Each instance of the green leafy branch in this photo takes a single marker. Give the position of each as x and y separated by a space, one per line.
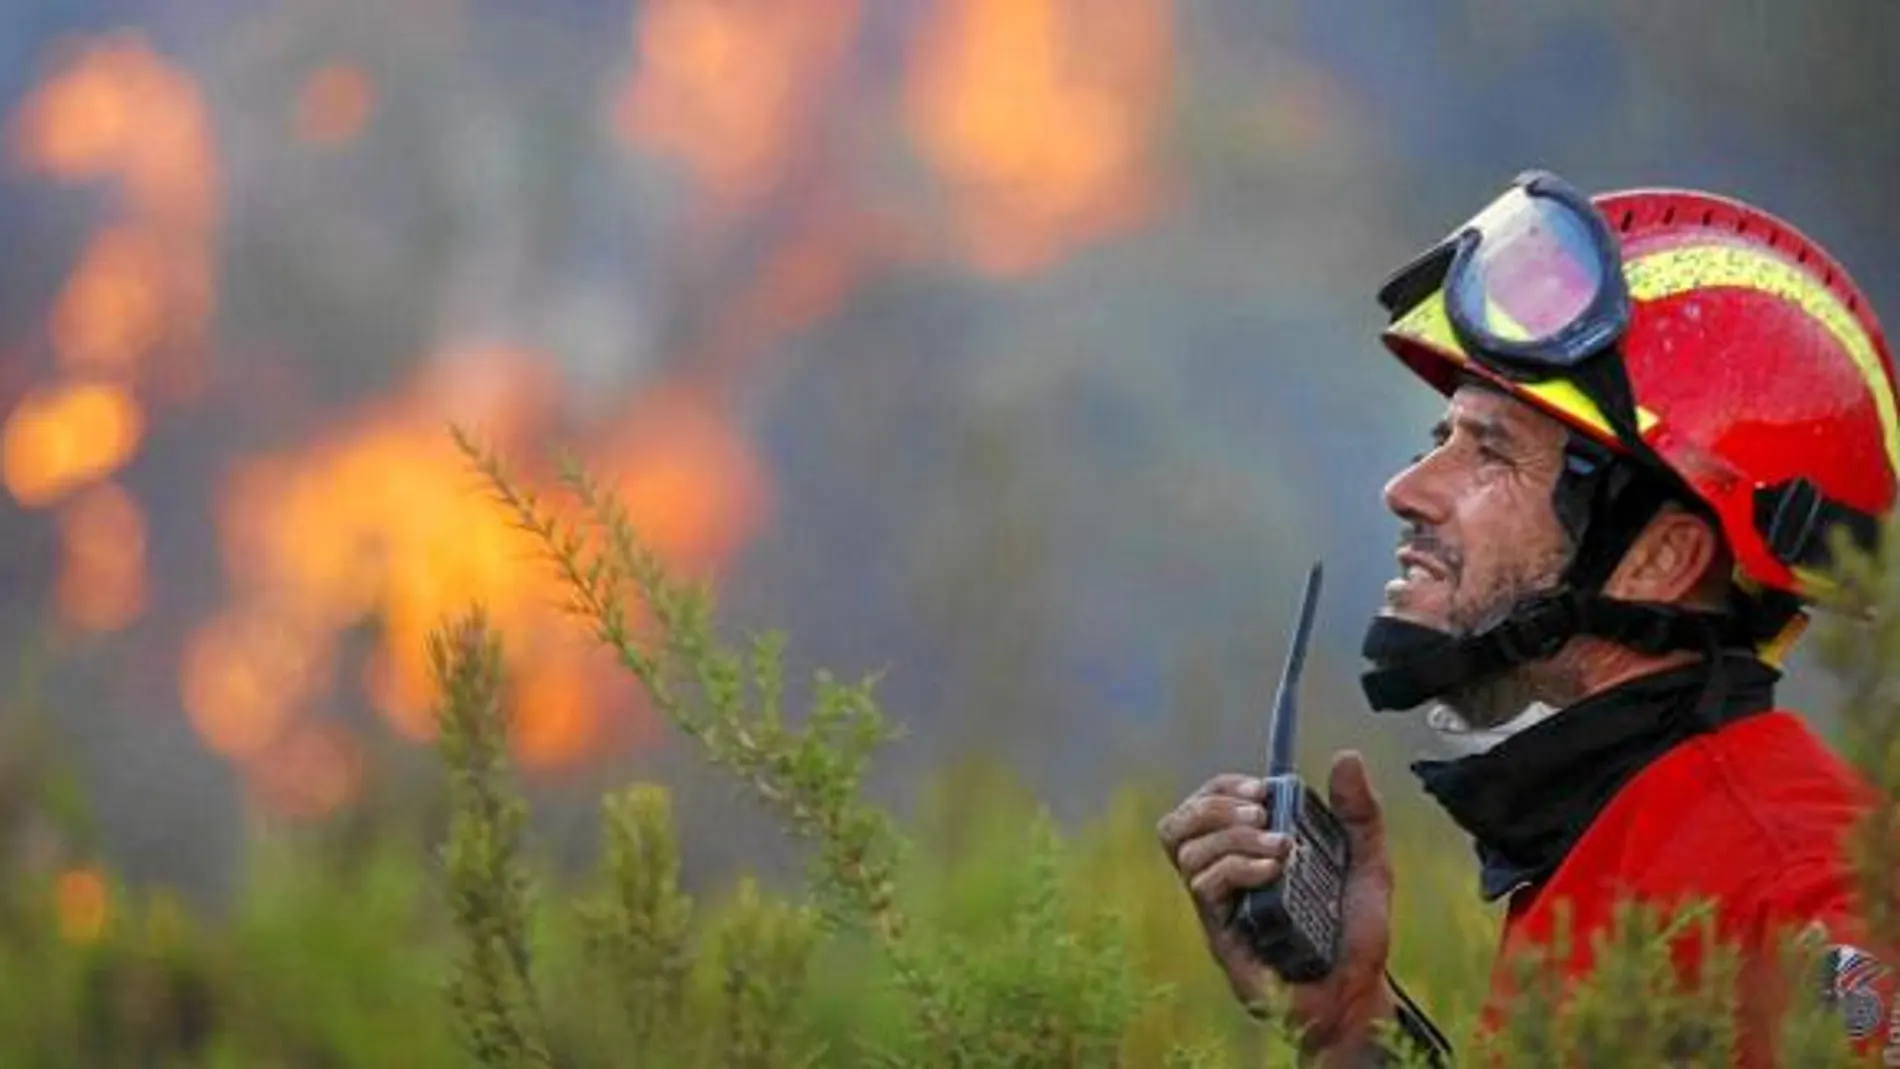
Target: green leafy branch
812 774
491 893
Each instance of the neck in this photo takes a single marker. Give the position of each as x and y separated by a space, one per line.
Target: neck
1598 665
1527 798
1586 667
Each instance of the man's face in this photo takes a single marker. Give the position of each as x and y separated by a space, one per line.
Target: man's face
1480 529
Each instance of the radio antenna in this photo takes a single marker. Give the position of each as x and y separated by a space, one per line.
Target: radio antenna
1280 728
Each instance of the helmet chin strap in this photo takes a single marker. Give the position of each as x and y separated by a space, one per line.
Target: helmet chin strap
1603 502
1416 663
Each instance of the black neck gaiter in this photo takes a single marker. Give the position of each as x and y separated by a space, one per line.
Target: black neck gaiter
1528 799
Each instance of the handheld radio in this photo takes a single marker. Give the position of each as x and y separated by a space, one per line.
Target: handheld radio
1294 922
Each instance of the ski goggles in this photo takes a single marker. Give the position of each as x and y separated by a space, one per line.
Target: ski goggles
1533 284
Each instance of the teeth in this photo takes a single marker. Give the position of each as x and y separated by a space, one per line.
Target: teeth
1415 572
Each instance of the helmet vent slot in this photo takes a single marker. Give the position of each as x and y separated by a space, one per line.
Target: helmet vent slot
1669 215
1624 224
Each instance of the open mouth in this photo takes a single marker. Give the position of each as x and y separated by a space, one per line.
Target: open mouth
1415 566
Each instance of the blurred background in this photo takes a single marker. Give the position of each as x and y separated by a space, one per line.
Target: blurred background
1020 350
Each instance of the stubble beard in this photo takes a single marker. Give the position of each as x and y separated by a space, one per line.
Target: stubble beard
1556 681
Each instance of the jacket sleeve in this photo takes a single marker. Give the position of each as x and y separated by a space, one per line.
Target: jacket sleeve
1814 905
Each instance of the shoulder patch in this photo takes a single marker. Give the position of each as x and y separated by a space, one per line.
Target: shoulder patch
1850 981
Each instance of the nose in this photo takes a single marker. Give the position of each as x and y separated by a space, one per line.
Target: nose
1416 493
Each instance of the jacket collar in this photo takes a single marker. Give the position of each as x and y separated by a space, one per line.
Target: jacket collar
1527 800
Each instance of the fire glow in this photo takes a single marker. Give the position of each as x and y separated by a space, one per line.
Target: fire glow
1037 114
128 326
62 438
728 86
342 549
140 298
382 520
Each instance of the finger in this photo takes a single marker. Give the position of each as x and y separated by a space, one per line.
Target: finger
1233 784
1349 789
1198 853
1354 801
1231 874
1201 814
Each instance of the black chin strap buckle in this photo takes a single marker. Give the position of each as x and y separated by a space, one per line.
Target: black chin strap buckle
1540 627
1649 629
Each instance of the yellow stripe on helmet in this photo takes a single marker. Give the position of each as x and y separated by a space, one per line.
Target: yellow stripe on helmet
1430 324
1774 651
1673 271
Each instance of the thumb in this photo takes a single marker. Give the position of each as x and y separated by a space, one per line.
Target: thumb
1355 802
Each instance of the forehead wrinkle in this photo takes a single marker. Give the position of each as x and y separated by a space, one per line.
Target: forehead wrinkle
1491 415
1487 427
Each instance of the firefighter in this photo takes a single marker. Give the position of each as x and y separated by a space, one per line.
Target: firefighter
1661 406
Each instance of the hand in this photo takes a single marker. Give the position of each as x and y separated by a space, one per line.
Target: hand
1216 842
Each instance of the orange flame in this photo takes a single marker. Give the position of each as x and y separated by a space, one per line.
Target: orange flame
727 85
1037 112
113 308
379 518
83 906
335 105
690 483
114 110
557 716
79 124
311 772
245 672
59 439
382 519
117 110
102 578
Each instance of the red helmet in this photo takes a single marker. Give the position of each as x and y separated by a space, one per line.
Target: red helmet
1758 373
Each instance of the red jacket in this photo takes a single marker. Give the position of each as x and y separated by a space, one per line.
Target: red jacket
1752 815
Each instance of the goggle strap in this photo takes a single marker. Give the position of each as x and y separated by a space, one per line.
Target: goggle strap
1418 280
1604 380
1622 503
1795 518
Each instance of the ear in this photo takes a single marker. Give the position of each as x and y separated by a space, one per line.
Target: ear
1669 561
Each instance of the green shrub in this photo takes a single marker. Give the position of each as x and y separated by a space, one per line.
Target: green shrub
1055 971
977 933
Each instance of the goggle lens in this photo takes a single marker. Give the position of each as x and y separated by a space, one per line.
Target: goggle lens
1534 272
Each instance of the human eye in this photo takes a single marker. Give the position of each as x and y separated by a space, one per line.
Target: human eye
1492 451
